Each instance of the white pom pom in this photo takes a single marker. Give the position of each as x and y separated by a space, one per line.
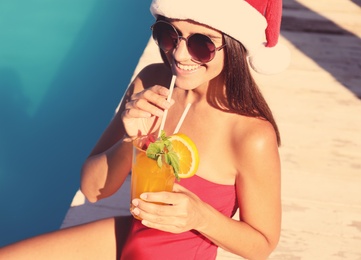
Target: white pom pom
270 60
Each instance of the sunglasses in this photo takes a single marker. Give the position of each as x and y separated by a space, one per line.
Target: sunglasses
199 46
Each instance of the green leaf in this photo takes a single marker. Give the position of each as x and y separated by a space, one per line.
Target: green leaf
174 162
161 150
163 136
152 151
160 161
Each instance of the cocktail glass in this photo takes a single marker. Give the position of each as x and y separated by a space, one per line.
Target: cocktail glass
147 176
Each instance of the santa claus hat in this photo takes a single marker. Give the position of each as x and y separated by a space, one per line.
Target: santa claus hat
254 23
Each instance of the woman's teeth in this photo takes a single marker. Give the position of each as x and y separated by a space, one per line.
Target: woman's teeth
187 67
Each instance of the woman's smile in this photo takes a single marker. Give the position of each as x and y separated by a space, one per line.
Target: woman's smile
187 67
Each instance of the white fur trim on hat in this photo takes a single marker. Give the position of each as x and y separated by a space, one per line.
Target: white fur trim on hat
236 18
270 60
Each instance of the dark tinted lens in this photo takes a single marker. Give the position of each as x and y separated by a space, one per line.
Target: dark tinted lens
201 47
165 36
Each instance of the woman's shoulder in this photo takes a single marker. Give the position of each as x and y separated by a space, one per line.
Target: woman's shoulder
254 146
252 133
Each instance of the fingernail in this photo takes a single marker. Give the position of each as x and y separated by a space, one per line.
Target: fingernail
143 196
136 211
135 202
166 104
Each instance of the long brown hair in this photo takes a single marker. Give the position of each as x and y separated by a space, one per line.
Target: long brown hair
243 95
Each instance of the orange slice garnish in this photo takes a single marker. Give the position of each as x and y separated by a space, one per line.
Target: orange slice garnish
188 155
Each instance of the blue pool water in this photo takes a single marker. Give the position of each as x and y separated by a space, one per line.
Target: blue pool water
64 65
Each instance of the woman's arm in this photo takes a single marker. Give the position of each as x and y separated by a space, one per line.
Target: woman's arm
109 163
258 185
103 174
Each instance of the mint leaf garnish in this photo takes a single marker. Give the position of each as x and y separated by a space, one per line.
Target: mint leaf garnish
173 159
162 148
159 161
154 150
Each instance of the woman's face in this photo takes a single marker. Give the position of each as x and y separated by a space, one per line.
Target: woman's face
191 74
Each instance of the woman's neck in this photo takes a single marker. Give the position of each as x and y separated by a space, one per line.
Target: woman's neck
214 89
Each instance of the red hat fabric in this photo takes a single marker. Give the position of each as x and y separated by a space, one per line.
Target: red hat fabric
254 23
272 11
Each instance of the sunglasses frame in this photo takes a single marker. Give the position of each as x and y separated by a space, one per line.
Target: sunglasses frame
179 38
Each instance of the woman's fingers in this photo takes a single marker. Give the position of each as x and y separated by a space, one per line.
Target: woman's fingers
143 109
147 106
167 217
156 94
152 95
162 203
148 102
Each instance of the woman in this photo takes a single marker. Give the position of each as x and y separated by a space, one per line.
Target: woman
207 49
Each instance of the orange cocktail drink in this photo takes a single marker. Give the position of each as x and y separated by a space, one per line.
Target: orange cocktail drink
147 176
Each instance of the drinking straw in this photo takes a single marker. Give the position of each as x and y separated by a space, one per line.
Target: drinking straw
171 87
182 118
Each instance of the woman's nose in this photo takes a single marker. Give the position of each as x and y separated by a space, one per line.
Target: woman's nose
181 52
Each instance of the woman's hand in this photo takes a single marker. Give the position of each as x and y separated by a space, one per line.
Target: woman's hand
143 110
181 212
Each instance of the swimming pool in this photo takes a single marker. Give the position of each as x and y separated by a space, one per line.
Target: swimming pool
63 68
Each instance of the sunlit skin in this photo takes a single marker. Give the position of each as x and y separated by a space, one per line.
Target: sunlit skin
234 149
